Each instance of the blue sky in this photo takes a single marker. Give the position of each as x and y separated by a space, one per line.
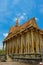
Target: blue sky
21 9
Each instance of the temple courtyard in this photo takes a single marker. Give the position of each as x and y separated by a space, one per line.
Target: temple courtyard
15 63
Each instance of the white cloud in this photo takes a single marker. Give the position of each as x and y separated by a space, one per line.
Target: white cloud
15 19
20 16
24 13
5 34
36 19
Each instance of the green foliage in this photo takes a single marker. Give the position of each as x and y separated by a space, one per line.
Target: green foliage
0 51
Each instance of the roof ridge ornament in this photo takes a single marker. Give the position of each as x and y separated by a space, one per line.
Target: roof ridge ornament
17 23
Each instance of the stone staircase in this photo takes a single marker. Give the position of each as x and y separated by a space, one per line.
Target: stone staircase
9 59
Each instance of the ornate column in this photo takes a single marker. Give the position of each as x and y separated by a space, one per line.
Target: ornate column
3 47
12 45
16 45
21 44
41 43
7 47
32 39
37 41
27 41
25 45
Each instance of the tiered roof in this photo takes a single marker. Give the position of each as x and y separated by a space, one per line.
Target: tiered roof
15 29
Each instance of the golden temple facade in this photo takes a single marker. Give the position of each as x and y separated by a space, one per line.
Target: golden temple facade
24 39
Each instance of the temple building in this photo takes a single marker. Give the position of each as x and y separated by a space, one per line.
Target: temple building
24 39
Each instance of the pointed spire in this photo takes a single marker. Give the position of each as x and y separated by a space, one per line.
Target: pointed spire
17 24
33 22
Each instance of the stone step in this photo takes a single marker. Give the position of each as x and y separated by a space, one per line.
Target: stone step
8 58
